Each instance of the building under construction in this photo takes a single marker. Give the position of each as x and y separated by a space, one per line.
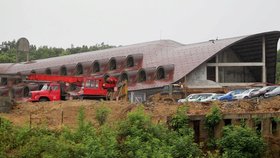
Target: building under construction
237 61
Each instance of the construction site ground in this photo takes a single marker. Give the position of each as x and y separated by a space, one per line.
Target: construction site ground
58 113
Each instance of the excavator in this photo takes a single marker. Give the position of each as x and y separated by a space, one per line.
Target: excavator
169 93
72 87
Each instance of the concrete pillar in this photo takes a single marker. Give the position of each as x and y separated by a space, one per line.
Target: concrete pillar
250 123
217 69
202 130
266 127
277 134
219 129
263 60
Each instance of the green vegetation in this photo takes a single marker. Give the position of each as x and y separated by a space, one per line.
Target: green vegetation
211 121
241 142
8 51
135 136
102 114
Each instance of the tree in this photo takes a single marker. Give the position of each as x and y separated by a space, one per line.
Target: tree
241 142
8 51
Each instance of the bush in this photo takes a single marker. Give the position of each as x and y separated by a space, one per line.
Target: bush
102 114
212 119
180 119
241 142
139 137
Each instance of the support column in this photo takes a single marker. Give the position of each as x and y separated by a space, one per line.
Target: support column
263 60
217 69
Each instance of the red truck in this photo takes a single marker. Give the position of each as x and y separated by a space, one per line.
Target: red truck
58 87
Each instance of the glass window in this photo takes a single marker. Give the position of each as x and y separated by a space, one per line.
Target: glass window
45 87
92 84
96 84
88 82
54 88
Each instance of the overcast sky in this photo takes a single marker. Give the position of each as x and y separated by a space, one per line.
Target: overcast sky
60 23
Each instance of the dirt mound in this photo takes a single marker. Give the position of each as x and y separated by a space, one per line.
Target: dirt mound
56 114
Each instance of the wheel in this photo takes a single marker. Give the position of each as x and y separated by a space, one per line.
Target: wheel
246 97
43 99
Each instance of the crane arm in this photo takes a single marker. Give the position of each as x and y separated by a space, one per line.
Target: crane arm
55 78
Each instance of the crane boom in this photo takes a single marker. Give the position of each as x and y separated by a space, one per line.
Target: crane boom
55 78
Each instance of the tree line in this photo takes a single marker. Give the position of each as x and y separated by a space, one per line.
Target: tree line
8 50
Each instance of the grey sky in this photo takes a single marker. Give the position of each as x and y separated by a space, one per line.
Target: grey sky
61 23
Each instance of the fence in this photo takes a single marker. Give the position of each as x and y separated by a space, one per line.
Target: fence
137 97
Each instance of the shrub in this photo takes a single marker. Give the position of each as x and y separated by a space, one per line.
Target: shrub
212 119
241 142
102 114
180 119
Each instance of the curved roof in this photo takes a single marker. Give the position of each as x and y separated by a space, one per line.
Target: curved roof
185 58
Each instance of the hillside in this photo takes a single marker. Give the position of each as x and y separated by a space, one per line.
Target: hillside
50 113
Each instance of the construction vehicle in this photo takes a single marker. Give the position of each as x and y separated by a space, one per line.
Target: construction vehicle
61 87
169 93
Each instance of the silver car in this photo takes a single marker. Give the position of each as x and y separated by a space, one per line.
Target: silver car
272 93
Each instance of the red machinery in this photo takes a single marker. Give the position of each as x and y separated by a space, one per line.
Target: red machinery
58 87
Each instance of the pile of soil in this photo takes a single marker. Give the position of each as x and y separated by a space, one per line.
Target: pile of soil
56 114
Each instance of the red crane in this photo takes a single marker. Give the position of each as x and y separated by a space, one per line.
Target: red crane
58 87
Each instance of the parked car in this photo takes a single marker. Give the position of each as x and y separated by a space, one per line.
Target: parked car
213 97
194 97
272 93
230 96
262 91
204 97
246 94
189 98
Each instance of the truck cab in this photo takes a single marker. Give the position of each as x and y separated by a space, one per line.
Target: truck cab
49 92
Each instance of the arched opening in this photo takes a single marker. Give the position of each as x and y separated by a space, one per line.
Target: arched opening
129 61
25 92
160 73
79 69
124 76
112 64
142 76
48 71
33 72
95 67
4 81
63 71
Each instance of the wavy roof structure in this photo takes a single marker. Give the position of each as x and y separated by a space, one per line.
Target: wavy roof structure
184 58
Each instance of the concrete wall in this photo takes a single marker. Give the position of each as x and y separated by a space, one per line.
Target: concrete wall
199 73
264 120
228 56
235 75
198 79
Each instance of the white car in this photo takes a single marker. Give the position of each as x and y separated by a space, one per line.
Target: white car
189 98
195 97
213 97
246 94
